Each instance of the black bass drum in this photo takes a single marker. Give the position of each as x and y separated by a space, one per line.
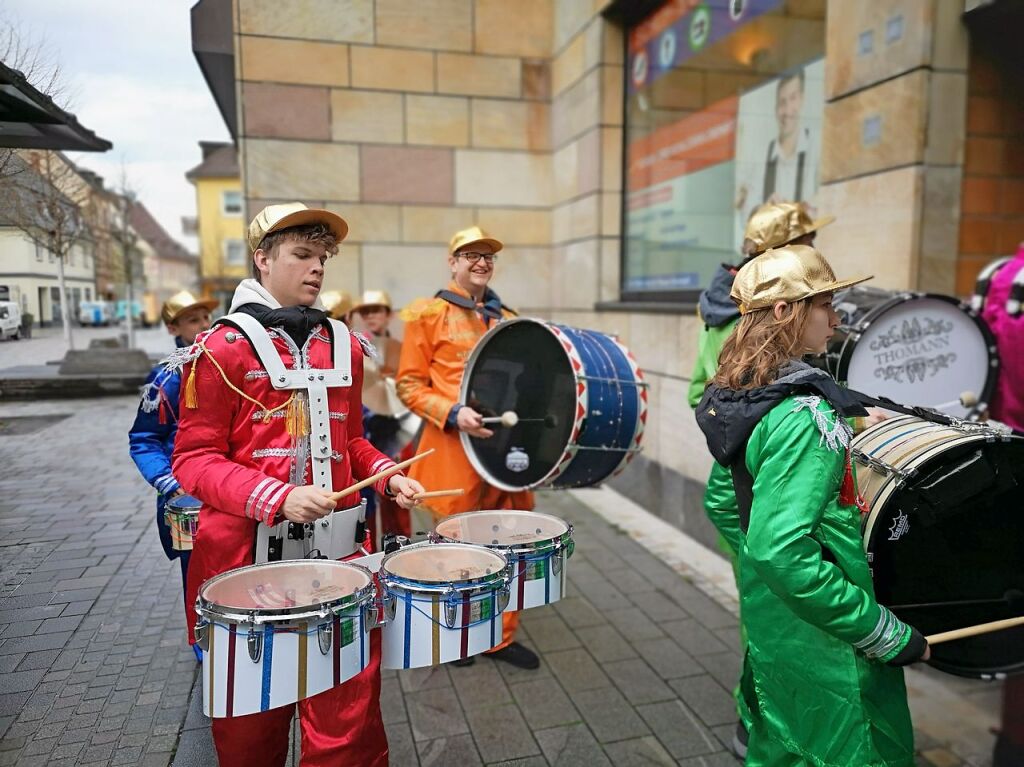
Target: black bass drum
944 535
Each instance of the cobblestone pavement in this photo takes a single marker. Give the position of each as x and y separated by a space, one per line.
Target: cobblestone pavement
47 344
636 662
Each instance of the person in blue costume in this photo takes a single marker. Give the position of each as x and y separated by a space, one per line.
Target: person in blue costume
151 439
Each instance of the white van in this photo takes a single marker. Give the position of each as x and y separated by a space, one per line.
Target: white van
10 320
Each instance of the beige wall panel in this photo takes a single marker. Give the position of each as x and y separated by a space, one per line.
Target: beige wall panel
285 111
950 43
900 105
523 278
569 65
585 218
611 269
434 223
612 43
574 275
468 75
654 340
571 16
537 79
589 175
611 95
877 229
576 110
369 223
682 446
565 169
847 68
301 170
367 116
407 174
294 61
439 24
502 178
611 158
503 124
522 28
406 272
517 226
947 105
940 229
343 270
437 120
611 214
392 69
346 21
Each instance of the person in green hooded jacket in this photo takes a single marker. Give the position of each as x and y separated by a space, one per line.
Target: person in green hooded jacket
822 680
771 225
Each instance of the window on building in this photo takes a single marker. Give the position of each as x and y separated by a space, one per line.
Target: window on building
231 203
88 294
39 252
234 253
724 108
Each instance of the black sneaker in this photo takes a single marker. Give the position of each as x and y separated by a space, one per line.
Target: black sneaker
517 655
739 741
464 661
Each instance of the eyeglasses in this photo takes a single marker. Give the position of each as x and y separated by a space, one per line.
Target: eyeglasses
473 258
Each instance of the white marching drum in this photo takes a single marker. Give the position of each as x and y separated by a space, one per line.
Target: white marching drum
537 545
443 603
278 633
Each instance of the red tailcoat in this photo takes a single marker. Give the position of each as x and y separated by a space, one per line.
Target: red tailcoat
243 467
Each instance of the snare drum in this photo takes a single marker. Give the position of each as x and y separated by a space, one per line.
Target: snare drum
278 633
537 545
917 348
579 395
182 517
944 535
443 601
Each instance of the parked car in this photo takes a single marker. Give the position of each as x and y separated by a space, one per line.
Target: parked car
10 320
95 313
138 315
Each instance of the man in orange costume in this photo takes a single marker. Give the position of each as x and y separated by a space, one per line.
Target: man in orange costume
440 333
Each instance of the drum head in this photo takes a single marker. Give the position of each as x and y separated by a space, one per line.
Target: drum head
502 528
919 350
947 551
184 503
443 563
520 366
298 584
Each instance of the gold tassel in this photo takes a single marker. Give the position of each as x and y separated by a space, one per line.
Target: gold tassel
296 421
191 400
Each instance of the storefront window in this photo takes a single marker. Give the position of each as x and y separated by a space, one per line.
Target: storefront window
724 108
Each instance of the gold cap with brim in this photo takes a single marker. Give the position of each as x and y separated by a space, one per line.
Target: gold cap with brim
790 274
274 218
337 303
373 298
472 236
775 224
181 302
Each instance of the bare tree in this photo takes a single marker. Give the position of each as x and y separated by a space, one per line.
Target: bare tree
45 198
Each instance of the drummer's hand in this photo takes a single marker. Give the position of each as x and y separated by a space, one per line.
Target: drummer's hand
307 504
404 490
927 654
875 415
178 493
472 423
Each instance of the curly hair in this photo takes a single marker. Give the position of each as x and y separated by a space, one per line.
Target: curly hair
319 234
761 345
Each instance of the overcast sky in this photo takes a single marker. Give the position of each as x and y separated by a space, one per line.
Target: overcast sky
132 79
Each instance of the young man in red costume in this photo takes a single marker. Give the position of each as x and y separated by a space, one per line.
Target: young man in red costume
244 447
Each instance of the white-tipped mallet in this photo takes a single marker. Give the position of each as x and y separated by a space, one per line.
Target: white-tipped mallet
509 418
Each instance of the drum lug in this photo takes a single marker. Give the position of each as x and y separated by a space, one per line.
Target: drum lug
556 562
451 609
325 636
504 595
202 634
255 644
377 614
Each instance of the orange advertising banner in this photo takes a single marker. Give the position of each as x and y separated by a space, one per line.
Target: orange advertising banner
658 22
696 141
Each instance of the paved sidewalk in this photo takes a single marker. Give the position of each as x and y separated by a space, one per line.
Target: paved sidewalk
637 660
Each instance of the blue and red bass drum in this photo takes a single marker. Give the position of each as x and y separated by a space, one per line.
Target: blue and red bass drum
579 396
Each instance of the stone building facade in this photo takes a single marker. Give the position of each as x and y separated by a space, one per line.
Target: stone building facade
416 118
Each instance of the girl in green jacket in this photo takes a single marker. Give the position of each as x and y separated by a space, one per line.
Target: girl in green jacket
823 681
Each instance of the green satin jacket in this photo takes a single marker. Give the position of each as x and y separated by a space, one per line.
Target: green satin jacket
818 640
709 346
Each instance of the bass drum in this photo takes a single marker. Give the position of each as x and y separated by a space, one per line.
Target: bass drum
945 535
918 348
579 395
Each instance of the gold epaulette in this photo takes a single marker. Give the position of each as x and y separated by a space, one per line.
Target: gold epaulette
422 307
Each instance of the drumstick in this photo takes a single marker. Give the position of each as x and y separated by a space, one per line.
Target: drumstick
970 631
379 475
509 419
438 493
